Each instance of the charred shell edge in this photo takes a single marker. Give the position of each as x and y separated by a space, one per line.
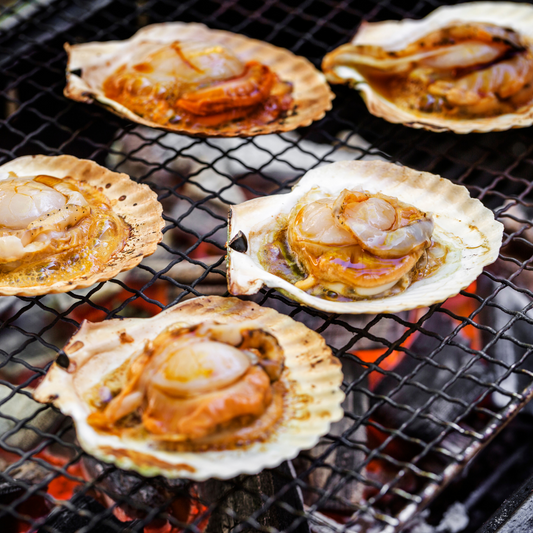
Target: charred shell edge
312 376
394 35
312 95
461 222
137 205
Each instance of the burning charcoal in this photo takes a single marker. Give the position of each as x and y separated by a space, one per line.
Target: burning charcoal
186 163
420 388
337 335
185 272
237 500
79 515
206 171
209 162
517 220
15 332
321 523
14 482
203 220
28 472
346 461
134 494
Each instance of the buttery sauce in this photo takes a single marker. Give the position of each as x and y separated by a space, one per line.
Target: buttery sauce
277 258
77 251
411 93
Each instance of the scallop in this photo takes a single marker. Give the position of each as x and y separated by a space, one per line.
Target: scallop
185 77
362 237
212 387
464 68
68 223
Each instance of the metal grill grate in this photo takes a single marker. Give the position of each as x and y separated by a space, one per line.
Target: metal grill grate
425 389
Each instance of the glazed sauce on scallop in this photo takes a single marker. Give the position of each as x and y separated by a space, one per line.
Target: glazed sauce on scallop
277 258
74 251
204 88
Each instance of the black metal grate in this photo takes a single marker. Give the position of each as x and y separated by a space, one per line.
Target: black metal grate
463 368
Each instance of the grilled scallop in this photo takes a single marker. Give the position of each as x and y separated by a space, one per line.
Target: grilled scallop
191 79
67 223
463 68
362 237
213 387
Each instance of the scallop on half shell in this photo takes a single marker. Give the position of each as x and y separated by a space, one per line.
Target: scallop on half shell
68 223
202 59
362 237
464 68
182 437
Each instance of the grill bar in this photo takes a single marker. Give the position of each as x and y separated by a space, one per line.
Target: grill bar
426 389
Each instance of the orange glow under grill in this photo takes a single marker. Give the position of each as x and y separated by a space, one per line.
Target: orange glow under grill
459 305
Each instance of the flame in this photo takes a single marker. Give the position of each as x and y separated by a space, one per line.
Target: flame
185 510
62 487
391 361
459 305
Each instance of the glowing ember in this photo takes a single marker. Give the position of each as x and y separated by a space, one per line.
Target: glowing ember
63 488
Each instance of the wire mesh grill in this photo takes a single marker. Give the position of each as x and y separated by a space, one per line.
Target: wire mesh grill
425 389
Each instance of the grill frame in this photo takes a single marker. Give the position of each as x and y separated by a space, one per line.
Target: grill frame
33 62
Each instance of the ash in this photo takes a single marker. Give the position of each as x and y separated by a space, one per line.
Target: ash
455 520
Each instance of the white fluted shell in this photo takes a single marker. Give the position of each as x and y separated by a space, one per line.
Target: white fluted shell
312 376
462 223
396 35
135 203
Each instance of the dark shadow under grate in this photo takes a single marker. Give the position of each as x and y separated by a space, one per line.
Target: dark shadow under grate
425 389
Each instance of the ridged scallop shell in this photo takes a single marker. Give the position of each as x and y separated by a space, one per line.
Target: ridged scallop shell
136 204
311 94
462 223
312 376
395 35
